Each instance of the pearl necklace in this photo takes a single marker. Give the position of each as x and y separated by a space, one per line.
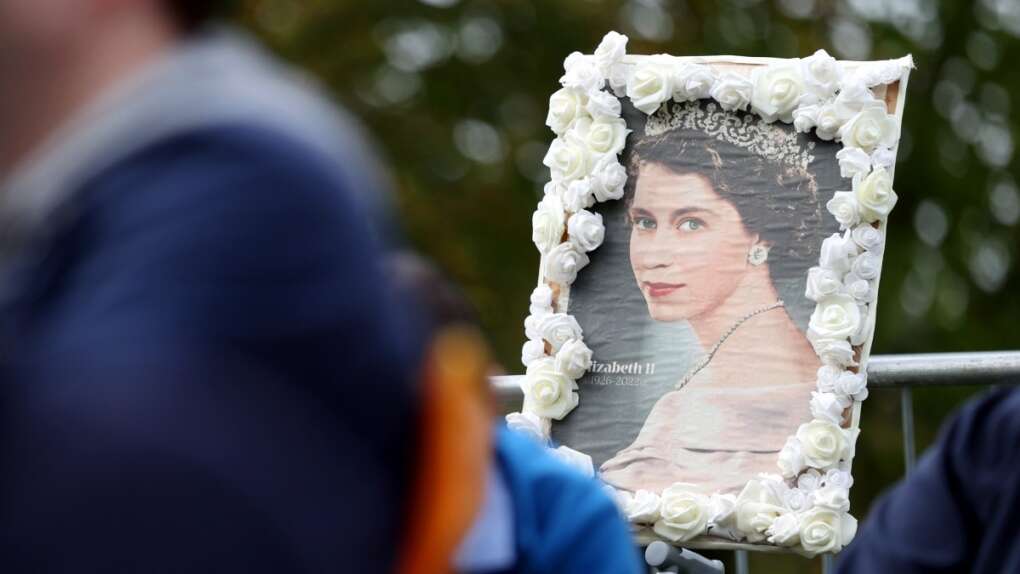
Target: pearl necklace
711 353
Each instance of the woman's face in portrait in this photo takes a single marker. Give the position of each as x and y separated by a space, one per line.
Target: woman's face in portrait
688 245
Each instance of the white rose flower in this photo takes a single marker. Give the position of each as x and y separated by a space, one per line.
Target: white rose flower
831 118
586 230
810 480
821 283
832 497
870 128
875 195
692 82
578 195
530 425
644 508
884 156
855 95
565 105
822 74
603 135
603 105
531 326
575 460
859 289
567 160
864 331
573 358
824 531
558 329
853 162
777 89
732 91
785 530
834 352
797 500
839 479
823 443
836 252
869 238
722 516
548 223
563 262
835 317
683 513
853 385
757 508
610 52
866 265
828 407
805 118
532 350
548 392
791 459
826 378
541 300
651 84
581 74
608 179
843 206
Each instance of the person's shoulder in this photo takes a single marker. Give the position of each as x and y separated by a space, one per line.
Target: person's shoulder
986 430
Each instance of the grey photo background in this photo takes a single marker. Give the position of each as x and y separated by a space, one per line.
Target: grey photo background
614 316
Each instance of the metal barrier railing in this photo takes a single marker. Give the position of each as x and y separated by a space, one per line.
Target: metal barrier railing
904 372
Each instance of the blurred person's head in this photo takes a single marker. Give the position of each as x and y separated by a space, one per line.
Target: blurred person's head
57 55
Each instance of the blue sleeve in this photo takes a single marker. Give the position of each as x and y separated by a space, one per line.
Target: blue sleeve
211 374
566 523
957 512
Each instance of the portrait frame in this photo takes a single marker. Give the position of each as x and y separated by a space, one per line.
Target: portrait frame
804 505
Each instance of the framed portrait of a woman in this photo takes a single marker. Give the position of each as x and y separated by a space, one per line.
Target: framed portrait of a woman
711 243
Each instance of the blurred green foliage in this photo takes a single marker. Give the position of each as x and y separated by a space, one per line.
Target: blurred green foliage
455 92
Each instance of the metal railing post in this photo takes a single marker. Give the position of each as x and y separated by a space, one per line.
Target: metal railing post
741 562
907 416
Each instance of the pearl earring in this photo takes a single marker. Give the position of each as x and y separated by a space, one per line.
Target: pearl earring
758 254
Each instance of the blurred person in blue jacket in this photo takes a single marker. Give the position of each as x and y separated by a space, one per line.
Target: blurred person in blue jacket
198 368
959 510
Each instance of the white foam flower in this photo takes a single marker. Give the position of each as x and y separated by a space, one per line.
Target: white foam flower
805 117
722 516
683 513
547 391
832 497
826 378
532 350
577 195
565 105
853 162
558 329
531 326
864 332
692 82
610 52
574 358
855 95
870 128
843 206
581 74
838 478
791 459
831 118
541 300
608 179
777 89
828 406
548 223
834 352
576 460
603 105
797 500
823 530
866 265
586 230
869 238
853 385
810 480
875 195
530 425
603 135
821 283
836 252
835 317
567 159
563 262
822 74
732 91
651 84
756 509
884 156
823 443
644 507
860 289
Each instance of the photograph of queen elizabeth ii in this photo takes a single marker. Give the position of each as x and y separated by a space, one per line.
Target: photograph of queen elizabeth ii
695 305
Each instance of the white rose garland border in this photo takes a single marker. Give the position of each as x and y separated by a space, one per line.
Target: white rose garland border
804 507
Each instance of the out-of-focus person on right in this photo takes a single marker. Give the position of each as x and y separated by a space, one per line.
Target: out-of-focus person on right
959 511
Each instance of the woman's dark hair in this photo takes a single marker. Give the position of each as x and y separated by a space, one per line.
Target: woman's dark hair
782 203
191 15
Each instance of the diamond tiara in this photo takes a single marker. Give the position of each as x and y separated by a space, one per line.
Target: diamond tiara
767 140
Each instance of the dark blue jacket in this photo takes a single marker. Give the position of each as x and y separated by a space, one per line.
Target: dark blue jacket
201 370
959 511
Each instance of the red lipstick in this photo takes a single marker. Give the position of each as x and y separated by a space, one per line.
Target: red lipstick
660 289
